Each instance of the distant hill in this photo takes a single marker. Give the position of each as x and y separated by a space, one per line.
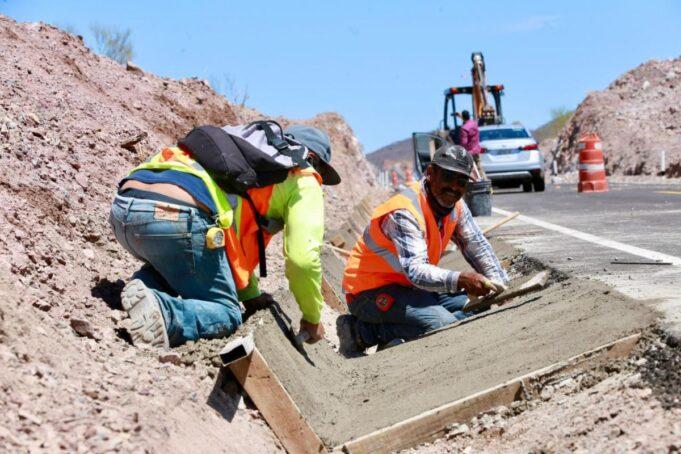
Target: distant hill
551 129
400 151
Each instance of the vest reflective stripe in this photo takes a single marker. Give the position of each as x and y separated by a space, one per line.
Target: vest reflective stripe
374 262
391 258
174 158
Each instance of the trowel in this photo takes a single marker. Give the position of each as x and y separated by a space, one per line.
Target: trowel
536 282
285 324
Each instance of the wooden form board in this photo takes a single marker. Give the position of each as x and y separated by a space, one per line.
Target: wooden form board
275 404
331 299
433 423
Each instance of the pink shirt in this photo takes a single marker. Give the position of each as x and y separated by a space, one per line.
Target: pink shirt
469 137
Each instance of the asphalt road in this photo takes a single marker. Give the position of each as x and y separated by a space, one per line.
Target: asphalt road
587 234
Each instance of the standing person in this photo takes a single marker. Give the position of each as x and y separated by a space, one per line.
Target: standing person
171 214
469 138
394 287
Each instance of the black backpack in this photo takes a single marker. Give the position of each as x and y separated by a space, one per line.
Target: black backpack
246 156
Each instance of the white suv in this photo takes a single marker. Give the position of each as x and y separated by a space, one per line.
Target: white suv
511 157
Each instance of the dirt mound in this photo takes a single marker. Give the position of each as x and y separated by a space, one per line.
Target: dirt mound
637 117
69 380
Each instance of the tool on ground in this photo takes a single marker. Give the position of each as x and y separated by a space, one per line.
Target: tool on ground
639 262
285 324
500 223
537 282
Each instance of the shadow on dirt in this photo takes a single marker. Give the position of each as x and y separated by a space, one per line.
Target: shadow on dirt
225 396
109 292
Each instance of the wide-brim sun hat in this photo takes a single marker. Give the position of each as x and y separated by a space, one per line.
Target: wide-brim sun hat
318 142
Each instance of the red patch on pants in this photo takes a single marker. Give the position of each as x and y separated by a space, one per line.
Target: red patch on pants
384 302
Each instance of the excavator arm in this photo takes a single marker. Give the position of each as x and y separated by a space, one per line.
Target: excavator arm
483 110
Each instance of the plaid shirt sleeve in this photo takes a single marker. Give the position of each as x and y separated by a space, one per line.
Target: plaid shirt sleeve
476 249
404 231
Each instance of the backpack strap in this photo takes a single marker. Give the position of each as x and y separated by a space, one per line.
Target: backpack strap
280 142
261 222
274 140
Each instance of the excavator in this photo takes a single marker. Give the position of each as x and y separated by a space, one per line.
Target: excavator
483 111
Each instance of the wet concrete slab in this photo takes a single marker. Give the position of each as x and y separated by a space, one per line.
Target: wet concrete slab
346 398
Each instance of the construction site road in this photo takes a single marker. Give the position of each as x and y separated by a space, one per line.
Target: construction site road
628 237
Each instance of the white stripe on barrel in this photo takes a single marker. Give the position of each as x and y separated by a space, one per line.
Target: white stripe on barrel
591 167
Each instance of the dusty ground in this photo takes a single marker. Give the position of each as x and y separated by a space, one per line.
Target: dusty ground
614 409
70 382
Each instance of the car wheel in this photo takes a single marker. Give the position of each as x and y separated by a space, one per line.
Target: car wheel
538 184
527 186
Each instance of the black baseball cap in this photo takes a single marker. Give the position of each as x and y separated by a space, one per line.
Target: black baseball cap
454 158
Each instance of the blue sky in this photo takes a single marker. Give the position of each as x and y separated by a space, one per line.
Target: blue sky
383 65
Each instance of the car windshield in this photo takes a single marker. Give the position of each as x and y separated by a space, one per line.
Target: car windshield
503 134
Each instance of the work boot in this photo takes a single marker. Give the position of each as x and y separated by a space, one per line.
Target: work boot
146 326
350 342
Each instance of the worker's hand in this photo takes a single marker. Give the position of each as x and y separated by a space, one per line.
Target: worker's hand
263 301
458 114
476 284
315 330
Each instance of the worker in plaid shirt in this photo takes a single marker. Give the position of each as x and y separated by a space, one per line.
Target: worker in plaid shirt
394 287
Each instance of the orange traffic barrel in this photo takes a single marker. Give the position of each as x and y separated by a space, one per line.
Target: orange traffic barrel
591 164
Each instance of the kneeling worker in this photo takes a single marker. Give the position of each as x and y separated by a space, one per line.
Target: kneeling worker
393 285
187 287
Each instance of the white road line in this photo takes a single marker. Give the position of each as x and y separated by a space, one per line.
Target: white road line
651 255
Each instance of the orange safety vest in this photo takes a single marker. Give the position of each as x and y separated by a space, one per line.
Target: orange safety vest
246 255
374 262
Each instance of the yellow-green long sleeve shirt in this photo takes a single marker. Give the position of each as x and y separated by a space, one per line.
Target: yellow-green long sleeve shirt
298 201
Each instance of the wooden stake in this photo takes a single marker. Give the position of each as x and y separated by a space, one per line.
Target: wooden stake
276 405
344 252
500 223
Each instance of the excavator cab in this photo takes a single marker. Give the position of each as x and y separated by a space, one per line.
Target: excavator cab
487 115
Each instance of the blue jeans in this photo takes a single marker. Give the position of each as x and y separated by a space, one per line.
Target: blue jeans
193 284
413 313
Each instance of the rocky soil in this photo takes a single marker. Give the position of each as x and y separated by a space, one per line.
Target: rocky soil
626 406
637 117
71 124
